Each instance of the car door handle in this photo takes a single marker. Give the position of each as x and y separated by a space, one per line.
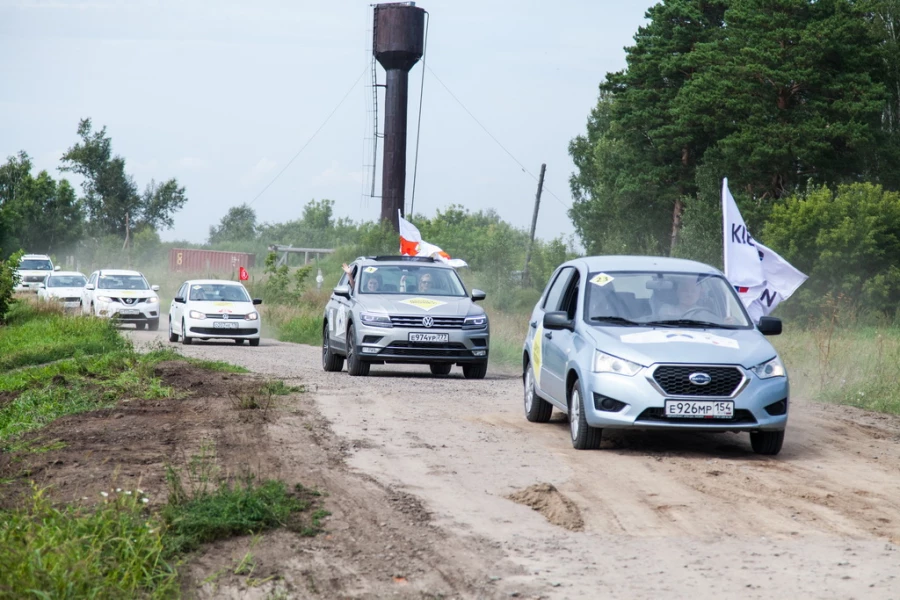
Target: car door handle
549 335
533 324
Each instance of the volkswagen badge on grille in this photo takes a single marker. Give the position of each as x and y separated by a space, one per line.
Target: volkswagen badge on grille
427 321
226 318
699 378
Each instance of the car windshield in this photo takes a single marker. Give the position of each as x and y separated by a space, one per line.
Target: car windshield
122 282
662 299
218 292
35 264
68 281
410 279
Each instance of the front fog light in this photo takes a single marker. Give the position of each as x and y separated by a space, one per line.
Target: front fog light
769 369
606 363
194 314
370 350
479 352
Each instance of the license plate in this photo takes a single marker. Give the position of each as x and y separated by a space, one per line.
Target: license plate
225 325
429 337
129 311
699 409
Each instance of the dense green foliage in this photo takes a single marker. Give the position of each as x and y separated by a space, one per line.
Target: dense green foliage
9 279
769 94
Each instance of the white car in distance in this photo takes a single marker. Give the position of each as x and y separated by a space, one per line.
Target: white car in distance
32 270
209 309
124 295
64 287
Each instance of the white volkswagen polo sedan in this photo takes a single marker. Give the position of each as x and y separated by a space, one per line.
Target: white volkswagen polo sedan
64 287
213 309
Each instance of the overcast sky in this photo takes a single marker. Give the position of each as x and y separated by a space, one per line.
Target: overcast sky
222 94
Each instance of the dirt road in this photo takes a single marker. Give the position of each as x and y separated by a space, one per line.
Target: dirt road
664 515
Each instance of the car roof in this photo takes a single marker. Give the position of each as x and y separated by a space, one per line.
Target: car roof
401 260
66 274
642 263
119 272
213 282
35 256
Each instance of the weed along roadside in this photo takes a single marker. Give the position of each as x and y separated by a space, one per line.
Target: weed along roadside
118 468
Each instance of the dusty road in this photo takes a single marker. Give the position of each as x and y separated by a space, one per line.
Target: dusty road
663 515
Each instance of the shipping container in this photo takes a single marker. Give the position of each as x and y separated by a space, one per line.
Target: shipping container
188 260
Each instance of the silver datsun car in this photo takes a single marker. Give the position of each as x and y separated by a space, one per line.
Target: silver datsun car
402 309
641 342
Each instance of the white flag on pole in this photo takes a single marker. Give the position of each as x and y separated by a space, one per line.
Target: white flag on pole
761 277
412 244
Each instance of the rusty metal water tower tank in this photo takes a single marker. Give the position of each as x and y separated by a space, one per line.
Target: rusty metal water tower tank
398 41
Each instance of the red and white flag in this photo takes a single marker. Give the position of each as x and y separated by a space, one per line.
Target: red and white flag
412 244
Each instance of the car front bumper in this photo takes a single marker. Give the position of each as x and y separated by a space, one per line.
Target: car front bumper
394 345
759 404
221 328
142 312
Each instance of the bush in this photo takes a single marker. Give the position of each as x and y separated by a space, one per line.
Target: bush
9 279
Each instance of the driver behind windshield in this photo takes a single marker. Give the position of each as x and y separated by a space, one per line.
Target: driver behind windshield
688 294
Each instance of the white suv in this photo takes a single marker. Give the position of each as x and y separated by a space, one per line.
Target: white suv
33 269
125 295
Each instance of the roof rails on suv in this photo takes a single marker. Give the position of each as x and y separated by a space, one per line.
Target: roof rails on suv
404 258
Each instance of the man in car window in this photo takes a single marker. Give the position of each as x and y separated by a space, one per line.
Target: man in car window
688 293
423 286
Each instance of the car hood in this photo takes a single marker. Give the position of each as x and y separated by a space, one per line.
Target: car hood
411 304
648 345
238 308
124 293
63 292
30 272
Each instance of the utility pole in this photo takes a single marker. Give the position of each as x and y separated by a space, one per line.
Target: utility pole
537 204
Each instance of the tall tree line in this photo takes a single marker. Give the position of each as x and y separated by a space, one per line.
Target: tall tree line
776 95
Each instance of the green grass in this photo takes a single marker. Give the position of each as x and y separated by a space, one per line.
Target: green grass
36 336
115 550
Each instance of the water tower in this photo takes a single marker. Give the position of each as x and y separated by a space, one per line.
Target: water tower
398 38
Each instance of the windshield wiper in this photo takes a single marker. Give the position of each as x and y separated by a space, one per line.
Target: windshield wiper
690 323
618 321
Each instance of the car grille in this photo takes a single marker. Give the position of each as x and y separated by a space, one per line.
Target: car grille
222 316
438 322
451 350
658 415
225 332
673 379
33 278
70 299
129 301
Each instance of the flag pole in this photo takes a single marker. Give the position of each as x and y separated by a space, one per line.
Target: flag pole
724 229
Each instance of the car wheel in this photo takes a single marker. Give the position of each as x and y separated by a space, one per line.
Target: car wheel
184 336
331 362
475 370
254 341
172 336
767 442
239 341
537 410
584 437
441 368
139 326
355 366
153 325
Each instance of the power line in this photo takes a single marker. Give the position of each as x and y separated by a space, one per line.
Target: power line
491 135
312 137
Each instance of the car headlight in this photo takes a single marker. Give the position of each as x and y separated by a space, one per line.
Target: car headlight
606 363
770 368
373 320
153 299
478 322
104 299
252 316
196 314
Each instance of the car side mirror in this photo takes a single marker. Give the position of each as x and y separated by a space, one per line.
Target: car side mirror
179 299
558 320
769 326
342 290
257 301
478 295
57 268
155 288
89 286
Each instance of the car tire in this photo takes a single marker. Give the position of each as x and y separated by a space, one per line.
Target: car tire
254 341
475 370
441 368
767 442
331 362
355 366
139 326
537 410
184 337
172 336
584 437
153 325
238 341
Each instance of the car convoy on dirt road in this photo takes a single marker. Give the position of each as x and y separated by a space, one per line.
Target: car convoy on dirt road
614 342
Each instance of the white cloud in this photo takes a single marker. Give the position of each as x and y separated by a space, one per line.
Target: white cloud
262 168
335 174
192 163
